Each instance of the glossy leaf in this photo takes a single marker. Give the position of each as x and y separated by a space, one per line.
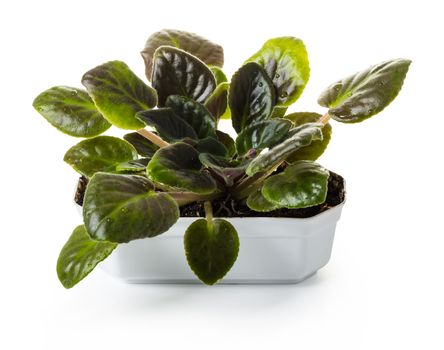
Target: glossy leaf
218 74
211 145
211 248
79 256
143 146
251 96
227 141
133 166
194 113
205 50
261 135
302 137
102 153
71 110
285 60
119 94
366 93
176 72
217 103
317 147
178 166
168 124
302 184
121 208
257 202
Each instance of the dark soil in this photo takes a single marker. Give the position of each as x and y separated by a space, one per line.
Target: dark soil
232 208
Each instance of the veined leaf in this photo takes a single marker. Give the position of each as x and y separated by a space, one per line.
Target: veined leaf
317 147
176 72
178 166
217 103
303 136
227 141
168 124
133 166
71 110
366 93
102 153
302 184
194 113
205 50
285 60
261 135
119 94
251 97
143 146
211 248
121 208
79 256
211 145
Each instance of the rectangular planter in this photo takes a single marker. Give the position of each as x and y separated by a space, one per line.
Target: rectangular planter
272 250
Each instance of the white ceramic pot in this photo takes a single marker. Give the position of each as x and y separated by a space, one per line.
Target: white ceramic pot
272 250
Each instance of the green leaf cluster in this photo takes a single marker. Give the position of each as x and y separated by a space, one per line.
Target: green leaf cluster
175 155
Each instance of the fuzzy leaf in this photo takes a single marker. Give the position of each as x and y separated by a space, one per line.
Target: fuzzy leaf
205 50
121 208
261 135
79 256
218 74
217 103
119 94
302 184
211 248
133 166
302 137
168 124
176 72
251 96
227 141
366 93
194 113
211 145
71 110
178 166
285 60
102 153
224 169
257 202
317 147
143 146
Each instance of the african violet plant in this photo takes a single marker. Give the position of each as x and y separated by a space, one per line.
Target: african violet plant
137 184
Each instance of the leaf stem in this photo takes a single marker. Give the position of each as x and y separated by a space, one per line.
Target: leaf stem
153 138
324 119
209 215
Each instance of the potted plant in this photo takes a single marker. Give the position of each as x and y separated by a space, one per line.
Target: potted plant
183 179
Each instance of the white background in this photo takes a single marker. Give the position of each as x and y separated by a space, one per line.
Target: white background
383 288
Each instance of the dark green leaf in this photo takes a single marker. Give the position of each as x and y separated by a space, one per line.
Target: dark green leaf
168 124
302 136
218 74
121 208
205 50
217 103
178 166
176 72
194 113
71 110
79 256
222 168
257 202
211 248
143 146
317 147
261 135
133 166
251 96
119 94
102 153
286 63
279 111
227 141
302 184
366 93
211 145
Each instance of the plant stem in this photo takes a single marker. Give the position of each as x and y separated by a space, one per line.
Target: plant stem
153 138
324 119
